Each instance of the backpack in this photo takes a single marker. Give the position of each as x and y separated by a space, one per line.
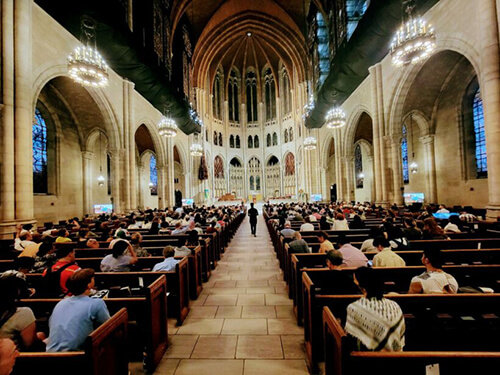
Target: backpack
51 281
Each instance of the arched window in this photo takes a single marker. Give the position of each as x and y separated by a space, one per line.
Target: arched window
270 94
268 140
215 138
257 183
285 92
479 135
233 97
39 135
220 139
217 96
231 141
285 136
323 48
256 141
250 141
275 139
290 135
238 145
108 170
153 176
404 156
251 89
252 184
358 167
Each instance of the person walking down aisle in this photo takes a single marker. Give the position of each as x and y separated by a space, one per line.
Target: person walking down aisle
252 214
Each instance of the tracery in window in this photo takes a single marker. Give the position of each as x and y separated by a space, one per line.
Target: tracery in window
153 176
238 144
216 138
251 96
285 92
231 141
323 47
233 97
285 136
404 156
290 135
217 96
256 141
270 94
479 135
358 167
268 140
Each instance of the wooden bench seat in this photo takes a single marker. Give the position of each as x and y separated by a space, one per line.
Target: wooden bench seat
102 354
340 360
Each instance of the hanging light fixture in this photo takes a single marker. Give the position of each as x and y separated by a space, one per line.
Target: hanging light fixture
414 41
196 148
310 143
85 64
335 118
167 126
413 167
100 178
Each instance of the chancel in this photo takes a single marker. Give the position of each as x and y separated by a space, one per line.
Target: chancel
249 187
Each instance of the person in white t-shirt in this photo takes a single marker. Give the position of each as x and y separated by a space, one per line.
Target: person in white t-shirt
443 210
434 280
307 226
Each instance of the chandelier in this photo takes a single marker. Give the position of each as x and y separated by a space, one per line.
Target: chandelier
308 107
335 118
85 64
414 41
310 143
196 149
100 180
167 127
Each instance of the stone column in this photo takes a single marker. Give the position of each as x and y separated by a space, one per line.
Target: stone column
170 195
369 161
349 166
7 214
377 179
161 185
87 157
130 142
430 167
490 93
23 113
115 186
397 176
338 170
125 152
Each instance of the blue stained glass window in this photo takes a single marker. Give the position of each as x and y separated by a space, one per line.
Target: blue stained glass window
479 134
404 156
39 136
153 176
323 48
358 167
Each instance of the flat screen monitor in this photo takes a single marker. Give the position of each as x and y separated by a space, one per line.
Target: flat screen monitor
411 198
187 202
103 208
444 216
316 197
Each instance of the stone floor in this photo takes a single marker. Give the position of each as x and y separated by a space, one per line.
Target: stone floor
242 323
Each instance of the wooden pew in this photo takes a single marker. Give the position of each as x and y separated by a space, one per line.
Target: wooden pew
340 360
103 353
319 292
147 311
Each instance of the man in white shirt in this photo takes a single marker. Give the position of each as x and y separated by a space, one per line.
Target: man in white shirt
442 210
434 280
307 226
23 239
386 257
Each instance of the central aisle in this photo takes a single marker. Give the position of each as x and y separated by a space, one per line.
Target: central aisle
243 322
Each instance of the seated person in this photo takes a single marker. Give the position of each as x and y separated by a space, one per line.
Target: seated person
179 229
58 274
23 238
376 323
17 323
340 223
46 255
432 231
8 355
386 257
367 245
325 244
62 236
307 226
169 263
287 232
353 257
411 232
343 282
434 280
182 250
136 242
31 249
117 261
454 225
442 209
298 245
74 318
24 264
49 228
92 243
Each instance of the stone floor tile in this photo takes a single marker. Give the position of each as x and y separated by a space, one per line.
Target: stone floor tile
229 312
259 347
181 346
250 300
244 327
275 367
201 327
258 312
283 327
210 367
215 347
217 300
293 346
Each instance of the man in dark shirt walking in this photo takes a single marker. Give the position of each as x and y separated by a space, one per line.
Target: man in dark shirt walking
252 214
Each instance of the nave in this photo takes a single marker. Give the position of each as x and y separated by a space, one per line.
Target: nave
242 323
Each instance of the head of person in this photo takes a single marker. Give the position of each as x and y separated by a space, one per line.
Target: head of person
288 225
369 282
342 240
431 225
80 282
340 217
62 232
66 253
431 258
381 243
322 237
193 238
168 252
24 264
120 234
13 287
177 225
25 235
334 259
119 248
136 239
45 247
181 242
409 222
297 235
92 243
251 205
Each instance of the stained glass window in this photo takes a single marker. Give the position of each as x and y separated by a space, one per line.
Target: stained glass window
358 167
108 169
323 48
39 135
153 176
479 134
234 113
251 85
217 96
270 95
404 156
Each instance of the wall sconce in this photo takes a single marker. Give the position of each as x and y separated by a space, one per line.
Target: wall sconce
414 167
361 175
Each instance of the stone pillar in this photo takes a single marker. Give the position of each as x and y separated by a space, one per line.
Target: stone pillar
490 93
115 186
397 175
87 157
338 170
125 152
369 161
23 113
349 168
161 185
430 167
377 179
130 144
7 214
170 195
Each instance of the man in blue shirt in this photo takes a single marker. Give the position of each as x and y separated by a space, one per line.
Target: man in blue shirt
74 318
169 263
